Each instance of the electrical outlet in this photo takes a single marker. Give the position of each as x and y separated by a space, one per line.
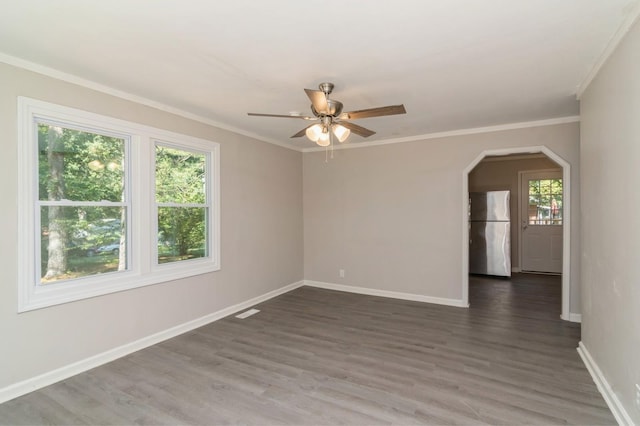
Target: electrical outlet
341 273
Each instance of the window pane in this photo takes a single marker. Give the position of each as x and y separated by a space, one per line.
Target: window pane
79 166
182 233
545 187
76 242
556 186
180 176
534 187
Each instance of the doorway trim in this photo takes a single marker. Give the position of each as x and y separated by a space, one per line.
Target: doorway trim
521 205
566 232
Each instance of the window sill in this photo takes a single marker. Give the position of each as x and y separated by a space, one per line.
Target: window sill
70 291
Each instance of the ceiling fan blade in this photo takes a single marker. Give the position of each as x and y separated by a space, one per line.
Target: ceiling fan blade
318 100
304 117
374 112
302 132
358 130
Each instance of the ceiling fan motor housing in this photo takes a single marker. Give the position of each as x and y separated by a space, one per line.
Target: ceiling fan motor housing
334 109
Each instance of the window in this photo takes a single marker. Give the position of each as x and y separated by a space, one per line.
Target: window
88 223
82 203
545 202
182 204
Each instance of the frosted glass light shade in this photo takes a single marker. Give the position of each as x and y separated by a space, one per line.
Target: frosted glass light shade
341 132
324 139
314 132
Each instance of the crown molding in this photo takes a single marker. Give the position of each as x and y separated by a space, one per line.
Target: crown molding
461 132
73 79
613 43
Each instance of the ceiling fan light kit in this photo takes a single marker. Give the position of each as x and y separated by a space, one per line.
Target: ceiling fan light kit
324 139
341 132
331 118
318 133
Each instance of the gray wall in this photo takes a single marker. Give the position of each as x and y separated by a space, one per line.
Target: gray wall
497 175
261 247
610 158
391 215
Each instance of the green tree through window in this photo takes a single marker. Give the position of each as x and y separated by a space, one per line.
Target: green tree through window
81 200
182 203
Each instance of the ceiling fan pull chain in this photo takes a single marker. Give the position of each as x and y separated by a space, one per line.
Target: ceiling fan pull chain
331 139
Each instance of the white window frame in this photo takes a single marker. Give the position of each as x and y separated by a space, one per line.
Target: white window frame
142 267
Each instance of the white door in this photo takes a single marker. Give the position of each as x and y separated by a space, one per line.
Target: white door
541 221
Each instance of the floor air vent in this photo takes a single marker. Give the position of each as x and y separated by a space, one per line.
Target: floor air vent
248 313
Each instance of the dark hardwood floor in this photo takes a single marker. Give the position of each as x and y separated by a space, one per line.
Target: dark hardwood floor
316 356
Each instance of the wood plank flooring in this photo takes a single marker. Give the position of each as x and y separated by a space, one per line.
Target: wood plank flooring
316 356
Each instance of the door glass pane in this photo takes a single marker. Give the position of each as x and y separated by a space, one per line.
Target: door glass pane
545 202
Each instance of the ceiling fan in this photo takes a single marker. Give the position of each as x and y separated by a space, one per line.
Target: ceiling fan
328 113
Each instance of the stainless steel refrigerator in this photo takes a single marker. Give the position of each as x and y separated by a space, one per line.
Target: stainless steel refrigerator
489 233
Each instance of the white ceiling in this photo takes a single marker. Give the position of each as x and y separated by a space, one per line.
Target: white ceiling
455 64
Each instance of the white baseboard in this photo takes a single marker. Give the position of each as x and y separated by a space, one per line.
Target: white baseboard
21 388
575 317
621 415
572 317
386 293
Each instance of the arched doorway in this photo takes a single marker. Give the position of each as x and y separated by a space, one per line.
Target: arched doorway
566 259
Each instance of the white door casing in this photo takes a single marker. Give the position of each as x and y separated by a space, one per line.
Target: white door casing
540 223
